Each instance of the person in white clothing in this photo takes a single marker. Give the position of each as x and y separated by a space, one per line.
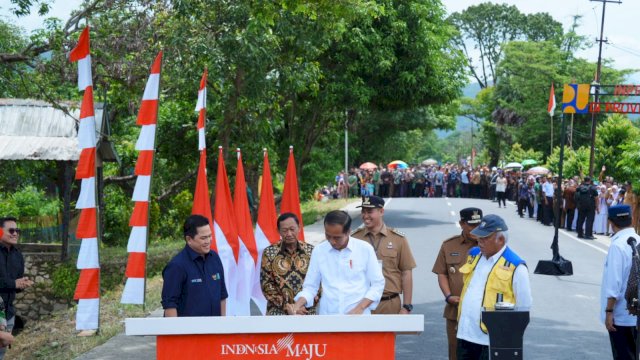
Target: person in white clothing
501 190
350 274
600 223
489 267
613 306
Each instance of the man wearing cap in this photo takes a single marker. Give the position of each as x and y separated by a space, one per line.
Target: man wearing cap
452 255
490 266
393 253
613 306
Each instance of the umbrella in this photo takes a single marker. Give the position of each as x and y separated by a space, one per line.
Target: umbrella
538 170
399 164
368 166
513 165
430 162
529 162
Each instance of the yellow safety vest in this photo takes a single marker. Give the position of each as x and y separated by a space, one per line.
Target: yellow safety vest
499 281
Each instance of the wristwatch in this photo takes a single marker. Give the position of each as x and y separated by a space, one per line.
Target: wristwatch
408 307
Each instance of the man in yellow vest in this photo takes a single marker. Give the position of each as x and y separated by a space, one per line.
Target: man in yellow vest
492 273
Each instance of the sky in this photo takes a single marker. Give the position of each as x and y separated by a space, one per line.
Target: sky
619 28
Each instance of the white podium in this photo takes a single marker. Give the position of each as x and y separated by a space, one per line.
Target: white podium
351 337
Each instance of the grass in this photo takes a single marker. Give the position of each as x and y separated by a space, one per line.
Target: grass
55 337
313 211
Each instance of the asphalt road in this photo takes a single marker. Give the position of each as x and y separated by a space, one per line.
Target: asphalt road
564 317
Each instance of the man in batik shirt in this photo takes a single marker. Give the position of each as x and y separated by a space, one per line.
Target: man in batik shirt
284 267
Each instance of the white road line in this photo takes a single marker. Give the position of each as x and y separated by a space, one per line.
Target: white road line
453 213
448 203
387 201
583 242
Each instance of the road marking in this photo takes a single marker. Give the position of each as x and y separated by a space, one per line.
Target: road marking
388 201
453 213
448 203
583 242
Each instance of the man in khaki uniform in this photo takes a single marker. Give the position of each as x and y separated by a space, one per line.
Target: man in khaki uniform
451 257
393 253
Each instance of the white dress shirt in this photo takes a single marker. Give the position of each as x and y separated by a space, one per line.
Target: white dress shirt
547 188
614 279
471 311
347 276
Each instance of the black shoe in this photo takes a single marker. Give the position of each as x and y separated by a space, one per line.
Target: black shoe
580 236
589 237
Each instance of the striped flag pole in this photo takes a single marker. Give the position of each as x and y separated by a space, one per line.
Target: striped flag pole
88 287
201 197
135 286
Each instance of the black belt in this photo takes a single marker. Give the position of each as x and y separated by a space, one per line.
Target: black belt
386 298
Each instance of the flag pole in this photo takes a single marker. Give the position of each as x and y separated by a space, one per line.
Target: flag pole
551 150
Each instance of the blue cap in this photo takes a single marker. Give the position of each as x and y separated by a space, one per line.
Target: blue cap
490 224
619 212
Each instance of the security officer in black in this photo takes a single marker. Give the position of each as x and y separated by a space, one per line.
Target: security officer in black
586 197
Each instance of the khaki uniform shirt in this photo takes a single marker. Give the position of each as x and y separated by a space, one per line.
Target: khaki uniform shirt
452 255
392 248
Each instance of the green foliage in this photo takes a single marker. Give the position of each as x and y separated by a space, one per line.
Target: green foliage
628 163
576 162
29 202
611 136
518 154
64 279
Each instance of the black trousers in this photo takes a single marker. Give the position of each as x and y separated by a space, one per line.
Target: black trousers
464 190
466 350
588 215
570 214
623 342
548 211
502 197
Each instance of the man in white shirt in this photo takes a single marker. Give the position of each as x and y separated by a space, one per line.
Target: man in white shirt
613 306
490 266
350 274
547 201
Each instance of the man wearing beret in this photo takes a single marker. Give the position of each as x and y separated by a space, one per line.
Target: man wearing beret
490 266
393 253
613 306
451 257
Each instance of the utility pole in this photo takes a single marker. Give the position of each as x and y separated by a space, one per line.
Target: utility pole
596 83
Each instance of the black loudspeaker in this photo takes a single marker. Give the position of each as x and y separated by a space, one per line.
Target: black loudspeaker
560 267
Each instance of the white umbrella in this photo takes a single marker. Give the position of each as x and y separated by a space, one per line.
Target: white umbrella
513 165
430 162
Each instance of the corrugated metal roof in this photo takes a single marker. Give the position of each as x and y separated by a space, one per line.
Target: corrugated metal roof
35 130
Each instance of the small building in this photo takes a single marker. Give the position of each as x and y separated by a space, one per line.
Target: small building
39 130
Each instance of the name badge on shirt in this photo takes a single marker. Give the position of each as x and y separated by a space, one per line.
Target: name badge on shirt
216 276
196 281
454 254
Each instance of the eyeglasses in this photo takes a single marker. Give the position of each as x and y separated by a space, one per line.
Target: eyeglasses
14 231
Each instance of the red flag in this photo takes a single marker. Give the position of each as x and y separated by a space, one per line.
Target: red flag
201 202
224 212
267 215
243 215
552 101
290 195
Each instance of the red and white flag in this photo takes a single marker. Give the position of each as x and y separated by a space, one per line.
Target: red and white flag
290 194
201 197
88 287
226 235
552 101
248 254
266 229
82 54
135 272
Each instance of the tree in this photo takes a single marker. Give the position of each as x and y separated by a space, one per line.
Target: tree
576 162
612 136
518 154
487 27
